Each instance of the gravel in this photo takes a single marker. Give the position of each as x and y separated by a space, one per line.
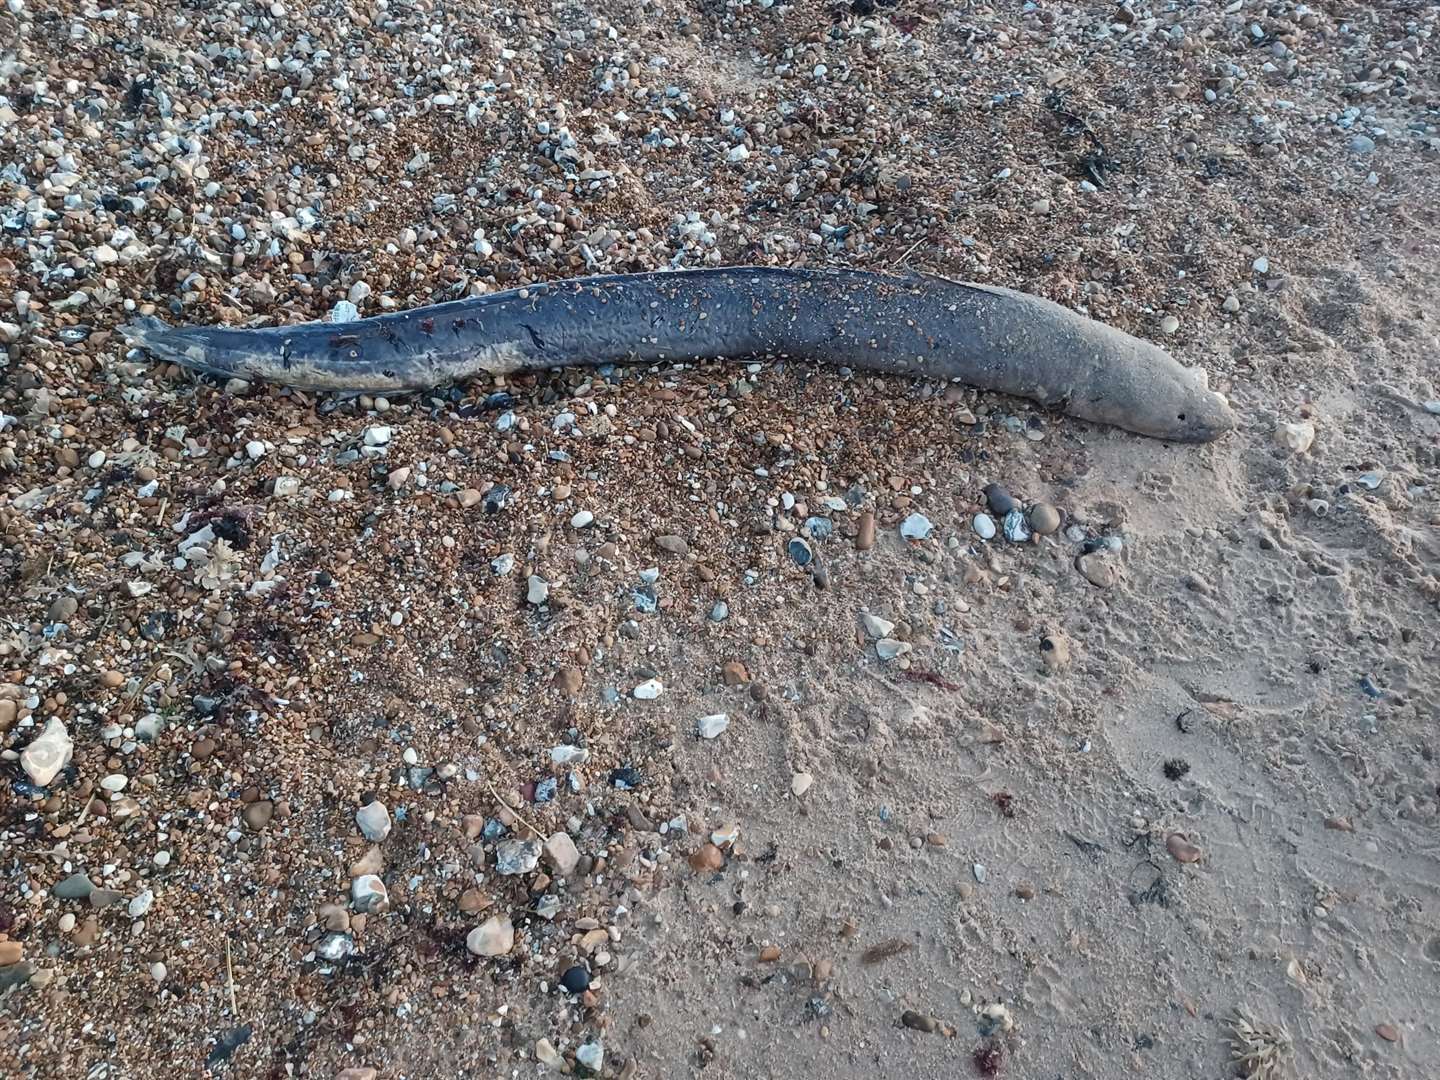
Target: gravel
236 562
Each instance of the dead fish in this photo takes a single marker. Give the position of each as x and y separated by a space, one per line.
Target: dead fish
918 325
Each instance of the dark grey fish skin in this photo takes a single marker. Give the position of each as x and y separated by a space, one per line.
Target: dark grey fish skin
920 325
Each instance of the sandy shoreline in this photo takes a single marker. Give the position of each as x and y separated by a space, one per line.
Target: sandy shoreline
256 613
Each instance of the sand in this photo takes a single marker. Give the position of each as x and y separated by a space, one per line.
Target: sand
1213 796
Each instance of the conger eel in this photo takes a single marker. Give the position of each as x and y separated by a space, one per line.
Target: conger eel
921 325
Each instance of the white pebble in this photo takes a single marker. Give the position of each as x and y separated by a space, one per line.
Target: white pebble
1296 437
494 937
344 311
712 727
374 821
254 449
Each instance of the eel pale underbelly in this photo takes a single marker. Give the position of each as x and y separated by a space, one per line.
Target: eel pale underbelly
921 325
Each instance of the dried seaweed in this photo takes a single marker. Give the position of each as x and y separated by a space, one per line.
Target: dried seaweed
884 950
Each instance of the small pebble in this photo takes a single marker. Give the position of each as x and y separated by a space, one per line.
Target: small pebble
1017 529
919 1021
494 937
561 855
889 648
77 886
865 532
1181 849
374 821
713 726
591 1055
514 857
576 980
999 500
707 858
818 528
368 893
48 753
916 527
734 673
1044 519
1100 570
1297 438
984 526
875 626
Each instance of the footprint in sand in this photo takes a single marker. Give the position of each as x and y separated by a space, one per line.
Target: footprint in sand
1051 993
1432 949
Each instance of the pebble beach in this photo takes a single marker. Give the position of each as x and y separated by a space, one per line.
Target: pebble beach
722 720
